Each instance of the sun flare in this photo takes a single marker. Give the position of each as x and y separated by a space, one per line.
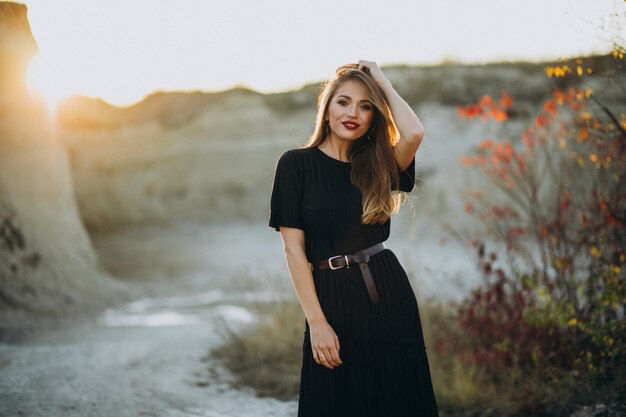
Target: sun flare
45 81
122 51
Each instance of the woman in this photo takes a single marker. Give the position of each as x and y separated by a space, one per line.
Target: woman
363 349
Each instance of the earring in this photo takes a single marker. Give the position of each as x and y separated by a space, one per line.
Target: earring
370 133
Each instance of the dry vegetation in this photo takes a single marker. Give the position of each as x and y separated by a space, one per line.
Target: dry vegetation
267 357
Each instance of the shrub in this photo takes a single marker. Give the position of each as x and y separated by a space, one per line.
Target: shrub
553 327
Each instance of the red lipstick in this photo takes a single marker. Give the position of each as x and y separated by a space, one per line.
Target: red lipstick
350 125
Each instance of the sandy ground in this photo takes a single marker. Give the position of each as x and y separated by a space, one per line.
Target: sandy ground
149 357
158 368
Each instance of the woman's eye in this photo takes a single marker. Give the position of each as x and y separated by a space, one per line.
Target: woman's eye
366 107
342 101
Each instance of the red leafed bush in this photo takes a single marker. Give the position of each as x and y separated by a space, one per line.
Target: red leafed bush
551 332
498 335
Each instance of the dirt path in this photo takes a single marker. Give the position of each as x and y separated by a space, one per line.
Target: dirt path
149 357
147 363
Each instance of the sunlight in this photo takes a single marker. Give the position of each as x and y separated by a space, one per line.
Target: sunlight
122 51
45 81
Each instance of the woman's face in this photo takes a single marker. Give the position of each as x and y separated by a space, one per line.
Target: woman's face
350 112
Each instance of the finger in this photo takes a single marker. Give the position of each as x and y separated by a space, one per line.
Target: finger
331 356
335 360
316 358
325 361
337 347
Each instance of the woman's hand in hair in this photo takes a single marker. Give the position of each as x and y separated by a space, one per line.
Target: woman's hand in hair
374 71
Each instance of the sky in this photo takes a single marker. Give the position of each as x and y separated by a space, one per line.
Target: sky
122 51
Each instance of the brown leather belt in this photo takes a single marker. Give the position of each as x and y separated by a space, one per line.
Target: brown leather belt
361 257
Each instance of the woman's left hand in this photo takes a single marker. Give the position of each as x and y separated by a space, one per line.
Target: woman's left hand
375 72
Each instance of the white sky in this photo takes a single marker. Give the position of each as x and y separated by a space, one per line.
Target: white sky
123 50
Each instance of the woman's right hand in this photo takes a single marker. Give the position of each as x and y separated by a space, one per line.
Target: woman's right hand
324 341
325 345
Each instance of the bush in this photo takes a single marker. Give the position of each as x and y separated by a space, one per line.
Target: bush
551 333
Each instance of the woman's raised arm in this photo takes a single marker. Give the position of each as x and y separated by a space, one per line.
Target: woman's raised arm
409 126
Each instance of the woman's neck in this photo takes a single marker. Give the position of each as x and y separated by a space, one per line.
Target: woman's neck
336 148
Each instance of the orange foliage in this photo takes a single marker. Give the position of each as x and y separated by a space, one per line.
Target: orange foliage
608 217
500 212
485 101
500 116
468 161
486 108
501 161
559 96
542 120
505 101
504 151
550 106
485 144
584 220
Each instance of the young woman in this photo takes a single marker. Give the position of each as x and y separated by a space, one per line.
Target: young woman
363 349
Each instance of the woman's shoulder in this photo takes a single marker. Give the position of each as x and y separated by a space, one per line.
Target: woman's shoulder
300 151
296 155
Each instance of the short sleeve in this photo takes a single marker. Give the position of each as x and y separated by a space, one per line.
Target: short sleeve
407 177
286 198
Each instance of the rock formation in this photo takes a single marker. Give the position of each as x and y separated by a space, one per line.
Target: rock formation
47 263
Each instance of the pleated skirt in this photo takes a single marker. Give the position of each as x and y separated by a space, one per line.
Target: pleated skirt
385 370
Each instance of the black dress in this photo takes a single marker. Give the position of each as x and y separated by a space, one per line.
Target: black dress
385 369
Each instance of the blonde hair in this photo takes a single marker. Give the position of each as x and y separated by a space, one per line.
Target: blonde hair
374 167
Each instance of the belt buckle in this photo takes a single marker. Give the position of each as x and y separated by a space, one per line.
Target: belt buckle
330 261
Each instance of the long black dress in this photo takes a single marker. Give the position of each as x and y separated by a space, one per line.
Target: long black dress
385 369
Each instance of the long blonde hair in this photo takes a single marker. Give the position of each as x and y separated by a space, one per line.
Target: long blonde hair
374 167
